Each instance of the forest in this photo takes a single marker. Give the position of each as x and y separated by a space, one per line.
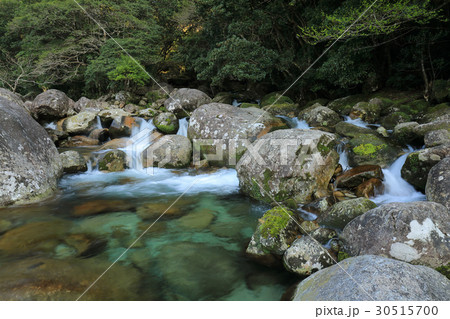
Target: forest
223 45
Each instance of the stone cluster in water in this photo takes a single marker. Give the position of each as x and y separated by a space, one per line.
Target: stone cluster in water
323 168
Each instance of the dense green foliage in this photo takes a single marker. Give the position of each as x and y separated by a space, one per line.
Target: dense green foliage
53 43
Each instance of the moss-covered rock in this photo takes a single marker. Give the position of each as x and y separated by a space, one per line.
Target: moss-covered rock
285 109
113 161
393 119
223 97
247 105
440 91
437 112
367 149
170 151
166 123
275 232
344 105
349 130
296 164
319 116
405 133
277 98
340 214
367 111
418 164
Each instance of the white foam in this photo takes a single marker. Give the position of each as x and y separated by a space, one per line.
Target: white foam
396 188
156 182
184 124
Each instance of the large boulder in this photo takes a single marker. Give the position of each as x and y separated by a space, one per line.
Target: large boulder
306 256
275 232
438 183
320 116
224 129
285 164
52 105
414 232
31 165
374 278
275 98
340 214
405 133
184 101
418 164
170 151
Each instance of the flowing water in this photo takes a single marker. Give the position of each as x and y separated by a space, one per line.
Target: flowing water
195 251
184 124
396 188
295 122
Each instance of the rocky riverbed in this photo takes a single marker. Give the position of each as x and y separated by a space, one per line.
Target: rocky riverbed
265 196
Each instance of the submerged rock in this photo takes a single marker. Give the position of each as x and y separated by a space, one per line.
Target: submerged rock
222 132
65 280
438 183
414 232
293 163
34 238
340 214
418 164
100 206
73 162
374 278
30 163
306 256
195 271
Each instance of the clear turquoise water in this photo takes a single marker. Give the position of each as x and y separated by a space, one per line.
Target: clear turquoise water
194 252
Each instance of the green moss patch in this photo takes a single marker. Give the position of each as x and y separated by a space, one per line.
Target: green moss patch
274 221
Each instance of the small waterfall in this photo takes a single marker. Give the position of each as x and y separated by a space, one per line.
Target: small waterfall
140 140
396 188
99 123
51 126
356 122
343 157
236 103
295 122
184 124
